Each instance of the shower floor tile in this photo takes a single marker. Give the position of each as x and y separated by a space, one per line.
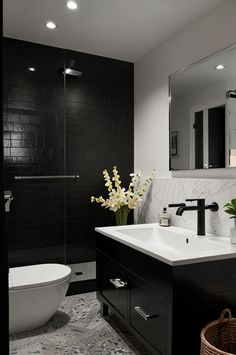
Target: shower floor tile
83 271
76 329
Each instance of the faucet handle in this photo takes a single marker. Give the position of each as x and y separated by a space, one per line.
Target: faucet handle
8 195
195 199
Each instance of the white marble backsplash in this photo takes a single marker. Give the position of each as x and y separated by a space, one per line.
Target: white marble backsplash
165 191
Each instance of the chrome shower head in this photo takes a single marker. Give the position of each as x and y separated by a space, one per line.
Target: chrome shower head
73 72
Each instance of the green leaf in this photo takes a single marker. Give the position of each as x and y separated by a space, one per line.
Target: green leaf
231 212
233 202
230 208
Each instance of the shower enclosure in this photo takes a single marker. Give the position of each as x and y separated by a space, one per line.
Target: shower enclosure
67 116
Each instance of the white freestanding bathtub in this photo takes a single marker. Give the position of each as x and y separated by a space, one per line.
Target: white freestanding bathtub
35 293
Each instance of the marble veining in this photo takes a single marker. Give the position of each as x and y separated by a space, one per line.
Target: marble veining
77 328
165 191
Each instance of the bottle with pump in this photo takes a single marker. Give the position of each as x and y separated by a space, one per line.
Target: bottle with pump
164 218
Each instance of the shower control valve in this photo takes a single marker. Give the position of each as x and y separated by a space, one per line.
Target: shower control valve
7 198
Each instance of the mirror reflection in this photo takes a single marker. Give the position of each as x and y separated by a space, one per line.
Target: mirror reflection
203 114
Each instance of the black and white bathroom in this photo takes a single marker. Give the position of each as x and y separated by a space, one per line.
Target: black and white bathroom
118 177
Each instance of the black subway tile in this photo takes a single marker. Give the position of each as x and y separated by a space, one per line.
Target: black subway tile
23 152
29 136
24 160
13 118
6 152
17 136
9 161
25 118
29 143
29 128
6 135
16 143
6 143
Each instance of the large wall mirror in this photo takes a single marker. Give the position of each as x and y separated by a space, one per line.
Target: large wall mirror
203 113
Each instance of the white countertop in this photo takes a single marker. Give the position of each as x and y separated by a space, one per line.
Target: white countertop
172 245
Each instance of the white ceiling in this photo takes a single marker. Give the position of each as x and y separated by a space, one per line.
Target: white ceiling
121 29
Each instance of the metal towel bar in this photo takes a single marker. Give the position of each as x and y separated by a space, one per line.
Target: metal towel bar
45 177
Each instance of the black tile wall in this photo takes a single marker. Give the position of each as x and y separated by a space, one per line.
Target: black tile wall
55 125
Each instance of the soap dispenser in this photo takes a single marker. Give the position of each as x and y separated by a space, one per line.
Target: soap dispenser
164 218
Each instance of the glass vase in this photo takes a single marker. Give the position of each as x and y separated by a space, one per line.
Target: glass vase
233 232
122 215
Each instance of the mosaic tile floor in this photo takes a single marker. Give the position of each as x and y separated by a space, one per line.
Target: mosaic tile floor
76 329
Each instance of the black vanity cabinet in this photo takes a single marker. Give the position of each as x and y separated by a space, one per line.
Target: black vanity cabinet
164 306
148 314
117 297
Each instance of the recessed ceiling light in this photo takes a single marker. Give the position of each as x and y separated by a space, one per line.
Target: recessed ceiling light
31 68
220 67
51 25
71 5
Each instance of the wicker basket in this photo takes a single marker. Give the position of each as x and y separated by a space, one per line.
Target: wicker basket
219 337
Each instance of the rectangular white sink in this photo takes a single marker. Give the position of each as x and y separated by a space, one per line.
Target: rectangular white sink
173 245
176 243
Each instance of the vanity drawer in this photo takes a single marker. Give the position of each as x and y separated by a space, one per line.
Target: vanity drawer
149 315
113 285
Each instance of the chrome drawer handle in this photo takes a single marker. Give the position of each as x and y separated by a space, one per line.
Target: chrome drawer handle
118 283
144 314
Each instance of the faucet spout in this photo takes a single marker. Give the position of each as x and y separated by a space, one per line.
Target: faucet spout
182 209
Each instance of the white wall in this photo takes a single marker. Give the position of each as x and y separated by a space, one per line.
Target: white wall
210 33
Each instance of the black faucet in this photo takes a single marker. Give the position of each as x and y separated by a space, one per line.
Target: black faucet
200 208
